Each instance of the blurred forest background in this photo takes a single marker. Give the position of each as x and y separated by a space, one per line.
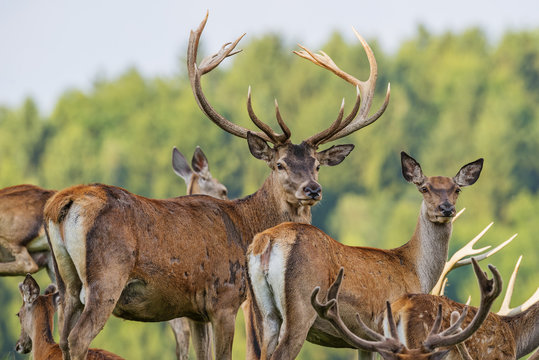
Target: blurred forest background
455 97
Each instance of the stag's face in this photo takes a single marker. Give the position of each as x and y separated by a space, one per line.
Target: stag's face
296 167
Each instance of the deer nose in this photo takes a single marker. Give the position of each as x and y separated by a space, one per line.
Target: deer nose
313 190
447 209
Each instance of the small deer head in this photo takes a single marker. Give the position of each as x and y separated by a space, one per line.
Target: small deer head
440 193
199 179
34 310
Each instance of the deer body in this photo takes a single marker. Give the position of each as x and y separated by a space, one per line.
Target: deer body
23 244
286 262
500 337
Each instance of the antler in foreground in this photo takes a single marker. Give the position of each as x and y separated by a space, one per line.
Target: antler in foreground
391 347
459 257
505 309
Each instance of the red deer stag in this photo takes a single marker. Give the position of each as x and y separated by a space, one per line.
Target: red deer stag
287 261
153 260
36 318
436 344
23 244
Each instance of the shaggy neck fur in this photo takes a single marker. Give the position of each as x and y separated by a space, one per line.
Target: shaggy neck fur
268 207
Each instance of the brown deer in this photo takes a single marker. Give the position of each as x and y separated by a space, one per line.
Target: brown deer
36 318
500 337
23 244
436 344
153 260
198 181
287 261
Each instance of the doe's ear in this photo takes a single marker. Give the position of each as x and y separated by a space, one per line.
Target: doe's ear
29 289
469 173
334 155
259 147
411 170
199 161
180 165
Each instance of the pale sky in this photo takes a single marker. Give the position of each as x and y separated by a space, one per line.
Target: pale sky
49 46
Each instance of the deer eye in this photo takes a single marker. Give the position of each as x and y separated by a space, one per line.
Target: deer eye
280 166
458 191
423 189
318 167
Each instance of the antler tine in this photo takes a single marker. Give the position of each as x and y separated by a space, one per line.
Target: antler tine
466 250
485 255
360 118
330 312
490 289
262 126
505 308
284 128
206 65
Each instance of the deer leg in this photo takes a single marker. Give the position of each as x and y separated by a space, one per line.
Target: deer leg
180 328
201 334
23 263
290 342
223 326
102 294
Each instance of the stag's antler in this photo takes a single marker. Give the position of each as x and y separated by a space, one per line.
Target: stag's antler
490 289
208 64
458 258
505 309
366 88
452 336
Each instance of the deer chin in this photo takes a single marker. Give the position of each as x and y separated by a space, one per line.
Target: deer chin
442 219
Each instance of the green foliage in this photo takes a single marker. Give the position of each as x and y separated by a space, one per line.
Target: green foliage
455 98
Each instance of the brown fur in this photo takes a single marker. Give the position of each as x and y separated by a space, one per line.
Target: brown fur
499 337
311 258
153 260
21 222
36 319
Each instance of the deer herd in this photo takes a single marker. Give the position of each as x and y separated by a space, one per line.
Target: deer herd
195 260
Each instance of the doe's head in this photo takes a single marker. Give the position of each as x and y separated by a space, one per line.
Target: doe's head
440 193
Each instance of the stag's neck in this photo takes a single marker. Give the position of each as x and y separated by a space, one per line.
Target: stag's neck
427 249
525 327
42 340
267 208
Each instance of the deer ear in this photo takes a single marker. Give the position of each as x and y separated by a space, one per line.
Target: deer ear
259 147
29 289
180 165
411 170
334 155
50 289
199 161
469 173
